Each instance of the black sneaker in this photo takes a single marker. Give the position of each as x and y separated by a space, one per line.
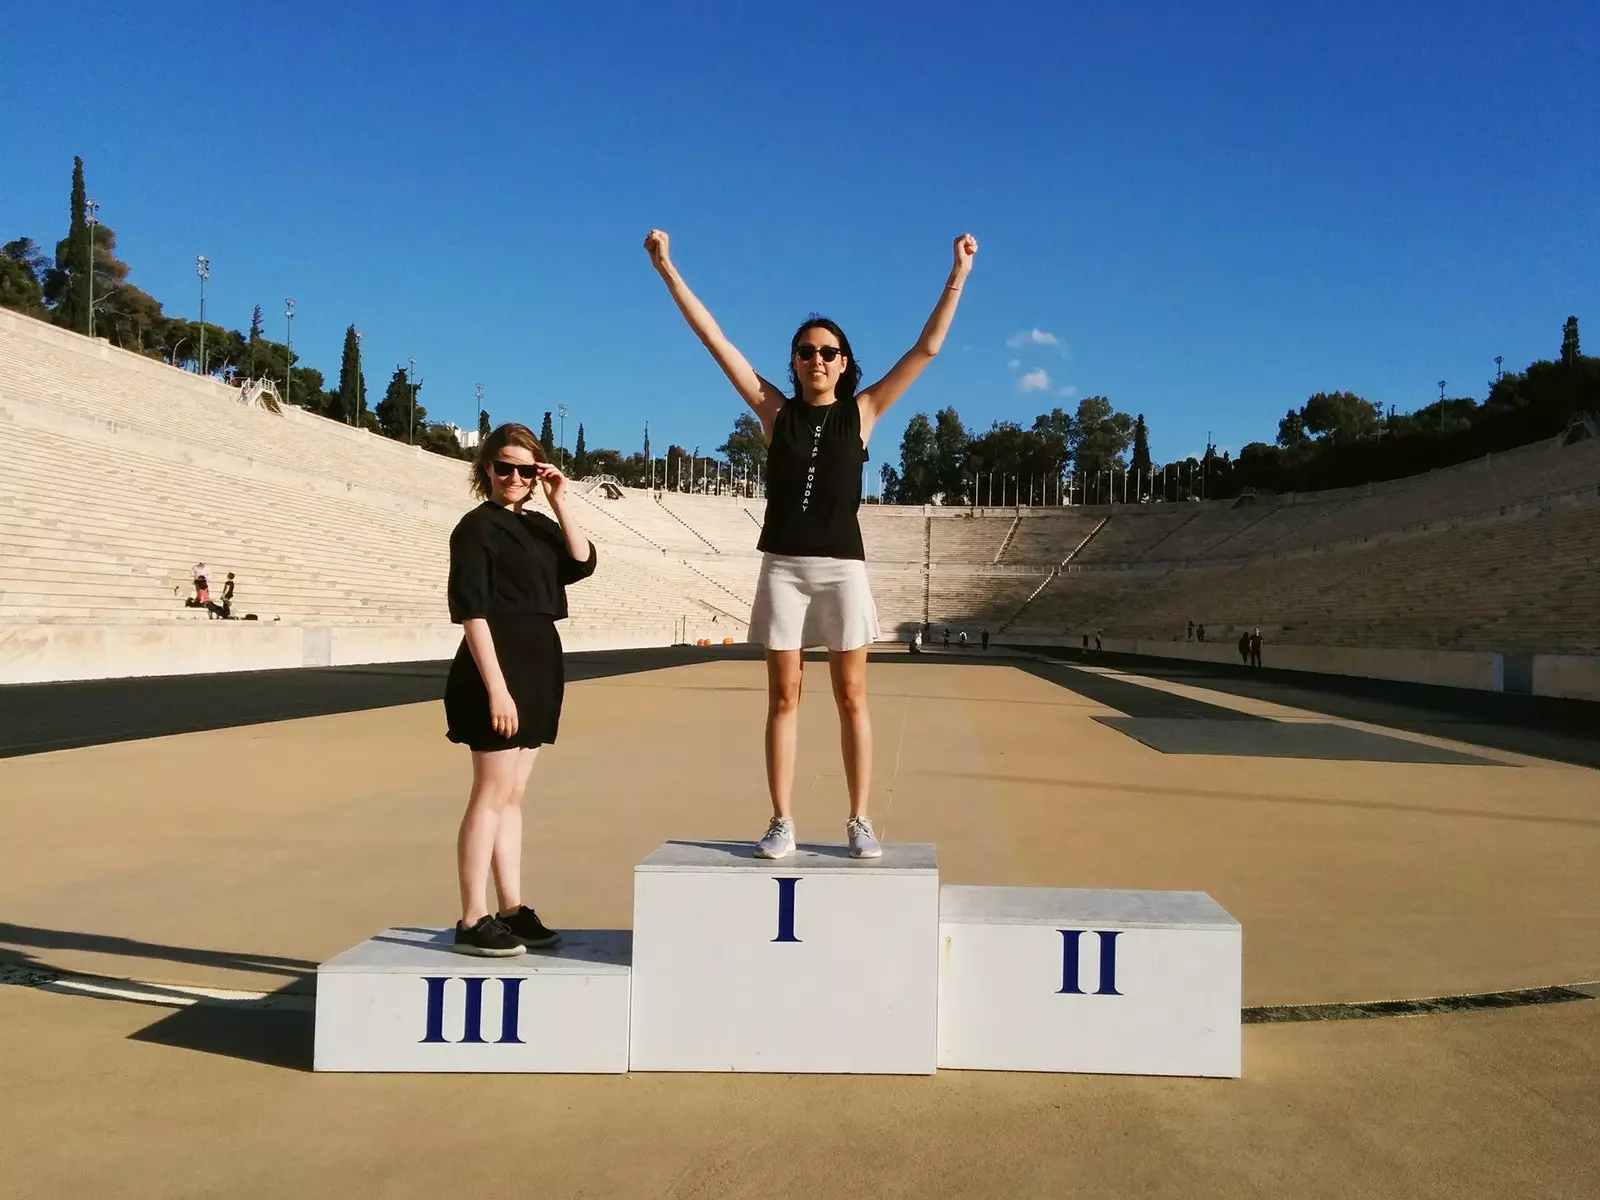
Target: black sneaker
487 938
525 926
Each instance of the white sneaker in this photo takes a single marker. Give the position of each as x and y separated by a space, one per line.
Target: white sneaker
858 831
779 839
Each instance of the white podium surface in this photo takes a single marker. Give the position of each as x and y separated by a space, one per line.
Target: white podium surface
1069 979
812 963
404 1001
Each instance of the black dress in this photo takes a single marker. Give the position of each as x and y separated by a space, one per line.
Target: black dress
512 570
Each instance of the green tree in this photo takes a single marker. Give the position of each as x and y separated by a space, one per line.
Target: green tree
1100 437
919 462
547 436
1569 343
484 427
1140 466
1341 417
349 401
677 468
580 456
66 288
1292 433
255 338
950 442
22 269
396 416
745 448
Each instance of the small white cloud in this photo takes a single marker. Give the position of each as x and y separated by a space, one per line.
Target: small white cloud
964 349
1033 337
1066 391
1013 364
1035 381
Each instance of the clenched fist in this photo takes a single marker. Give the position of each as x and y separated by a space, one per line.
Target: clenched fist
966 246
656 243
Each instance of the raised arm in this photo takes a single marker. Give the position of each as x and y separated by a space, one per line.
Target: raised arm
875 400
761 396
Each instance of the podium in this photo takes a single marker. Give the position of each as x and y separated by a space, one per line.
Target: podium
816 962
1111 982
404 1001
812 963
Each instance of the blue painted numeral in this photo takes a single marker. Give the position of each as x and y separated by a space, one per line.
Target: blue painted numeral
786 908
1108 963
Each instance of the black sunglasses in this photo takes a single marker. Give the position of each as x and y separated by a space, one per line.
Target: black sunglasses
807 352
504 469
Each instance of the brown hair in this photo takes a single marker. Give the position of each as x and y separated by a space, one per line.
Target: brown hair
489 448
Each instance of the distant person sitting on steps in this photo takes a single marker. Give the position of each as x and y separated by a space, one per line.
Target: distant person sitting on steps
813 589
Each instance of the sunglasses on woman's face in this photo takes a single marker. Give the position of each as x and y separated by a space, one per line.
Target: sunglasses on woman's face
807 352
504 469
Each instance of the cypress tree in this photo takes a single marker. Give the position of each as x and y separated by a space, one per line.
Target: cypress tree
1141 448
547 436
72 257
580 456
344 404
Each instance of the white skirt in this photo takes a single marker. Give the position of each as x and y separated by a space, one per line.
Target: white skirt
813 604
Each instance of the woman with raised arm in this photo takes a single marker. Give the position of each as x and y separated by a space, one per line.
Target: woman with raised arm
813 590
509 571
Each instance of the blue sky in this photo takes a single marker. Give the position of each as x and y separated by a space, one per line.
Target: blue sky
1214 210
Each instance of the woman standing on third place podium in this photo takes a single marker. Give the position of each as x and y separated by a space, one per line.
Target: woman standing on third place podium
509 571
813 588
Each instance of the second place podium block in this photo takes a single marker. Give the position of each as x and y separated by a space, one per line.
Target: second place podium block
812 963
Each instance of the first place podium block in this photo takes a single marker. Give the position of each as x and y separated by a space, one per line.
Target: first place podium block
817 962
1077 979
404 1001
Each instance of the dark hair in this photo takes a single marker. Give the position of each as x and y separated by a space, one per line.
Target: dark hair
849 380
510 434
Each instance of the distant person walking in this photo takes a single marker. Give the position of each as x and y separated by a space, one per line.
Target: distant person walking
509 571
1244 647
963 639
813 589
1255 648
225 609
985 639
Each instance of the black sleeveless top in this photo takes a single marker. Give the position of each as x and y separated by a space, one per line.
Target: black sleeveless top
814 481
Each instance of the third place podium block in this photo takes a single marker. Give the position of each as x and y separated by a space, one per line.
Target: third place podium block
816 962
1069 979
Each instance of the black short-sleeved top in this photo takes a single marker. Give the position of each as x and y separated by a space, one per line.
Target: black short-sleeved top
814 481
504 564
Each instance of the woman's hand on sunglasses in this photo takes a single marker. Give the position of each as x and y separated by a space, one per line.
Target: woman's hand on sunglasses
555 483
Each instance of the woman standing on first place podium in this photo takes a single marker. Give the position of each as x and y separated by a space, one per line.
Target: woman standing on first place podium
813 588
509 570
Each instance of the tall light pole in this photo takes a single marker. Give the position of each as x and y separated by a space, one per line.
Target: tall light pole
355 409
202 268
1441 398
1498 373
93 206
478 387
561 410
411 421
288 348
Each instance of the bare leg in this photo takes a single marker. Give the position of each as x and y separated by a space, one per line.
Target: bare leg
848 671
507 861
784 668
494 775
